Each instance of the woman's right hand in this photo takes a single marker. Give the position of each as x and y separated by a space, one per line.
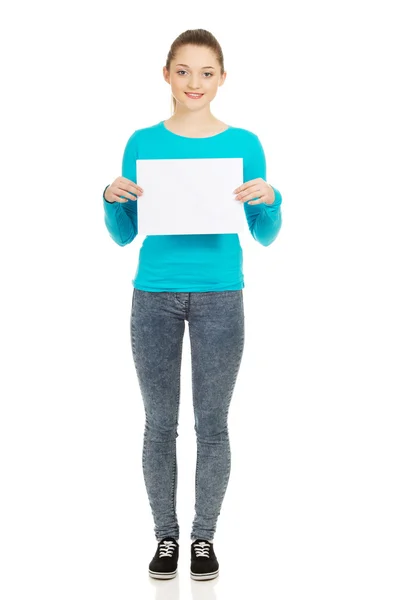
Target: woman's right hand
122 189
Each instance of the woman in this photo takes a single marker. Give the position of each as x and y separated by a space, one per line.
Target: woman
197 278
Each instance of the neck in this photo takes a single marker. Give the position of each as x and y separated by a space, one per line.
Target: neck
193 119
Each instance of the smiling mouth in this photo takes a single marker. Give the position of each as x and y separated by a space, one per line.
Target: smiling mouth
194 95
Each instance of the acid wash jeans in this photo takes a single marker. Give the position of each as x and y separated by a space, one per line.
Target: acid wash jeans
216 329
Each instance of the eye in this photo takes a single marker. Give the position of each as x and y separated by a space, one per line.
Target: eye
182 71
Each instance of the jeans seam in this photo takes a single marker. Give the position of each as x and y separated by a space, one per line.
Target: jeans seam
177 400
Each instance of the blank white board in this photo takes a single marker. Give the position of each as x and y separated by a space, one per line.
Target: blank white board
189 196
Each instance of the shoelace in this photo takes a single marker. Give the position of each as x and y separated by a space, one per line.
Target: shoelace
167 548
203 550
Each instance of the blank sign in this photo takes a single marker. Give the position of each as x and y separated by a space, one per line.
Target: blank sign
191 195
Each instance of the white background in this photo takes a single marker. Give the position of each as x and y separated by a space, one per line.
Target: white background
311 510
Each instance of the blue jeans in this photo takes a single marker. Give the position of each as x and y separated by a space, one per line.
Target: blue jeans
216 329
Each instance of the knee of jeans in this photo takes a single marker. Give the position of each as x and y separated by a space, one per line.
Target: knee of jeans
211 433
158 432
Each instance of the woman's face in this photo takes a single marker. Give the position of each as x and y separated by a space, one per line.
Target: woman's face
195 69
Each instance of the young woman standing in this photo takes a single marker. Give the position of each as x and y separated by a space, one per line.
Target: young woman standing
193 278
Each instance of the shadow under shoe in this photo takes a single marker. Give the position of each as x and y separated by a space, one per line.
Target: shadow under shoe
204 564
165 561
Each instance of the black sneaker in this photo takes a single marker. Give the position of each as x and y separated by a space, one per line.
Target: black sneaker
165 561
204 564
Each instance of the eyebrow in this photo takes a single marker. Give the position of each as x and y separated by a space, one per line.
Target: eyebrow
182 65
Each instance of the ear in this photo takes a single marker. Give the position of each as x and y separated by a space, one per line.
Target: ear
166 74
223 77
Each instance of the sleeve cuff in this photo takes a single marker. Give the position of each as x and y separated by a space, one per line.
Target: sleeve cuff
278 198
104 196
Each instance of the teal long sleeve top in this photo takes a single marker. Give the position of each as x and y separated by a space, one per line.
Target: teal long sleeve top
192 263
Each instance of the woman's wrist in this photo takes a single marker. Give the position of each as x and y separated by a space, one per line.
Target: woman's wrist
109 201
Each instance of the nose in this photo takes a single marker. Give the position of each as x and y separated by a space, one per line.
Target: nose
193 86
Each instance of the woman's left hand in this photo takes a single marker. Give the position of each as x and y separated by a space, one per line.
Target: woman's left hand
256 188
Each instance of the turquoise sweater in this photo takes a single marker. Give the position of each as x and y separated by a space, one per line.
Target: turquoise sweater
192 263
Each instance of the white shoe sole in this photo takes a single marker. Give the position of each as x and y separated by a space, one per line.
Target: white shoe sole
156 575
204 576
